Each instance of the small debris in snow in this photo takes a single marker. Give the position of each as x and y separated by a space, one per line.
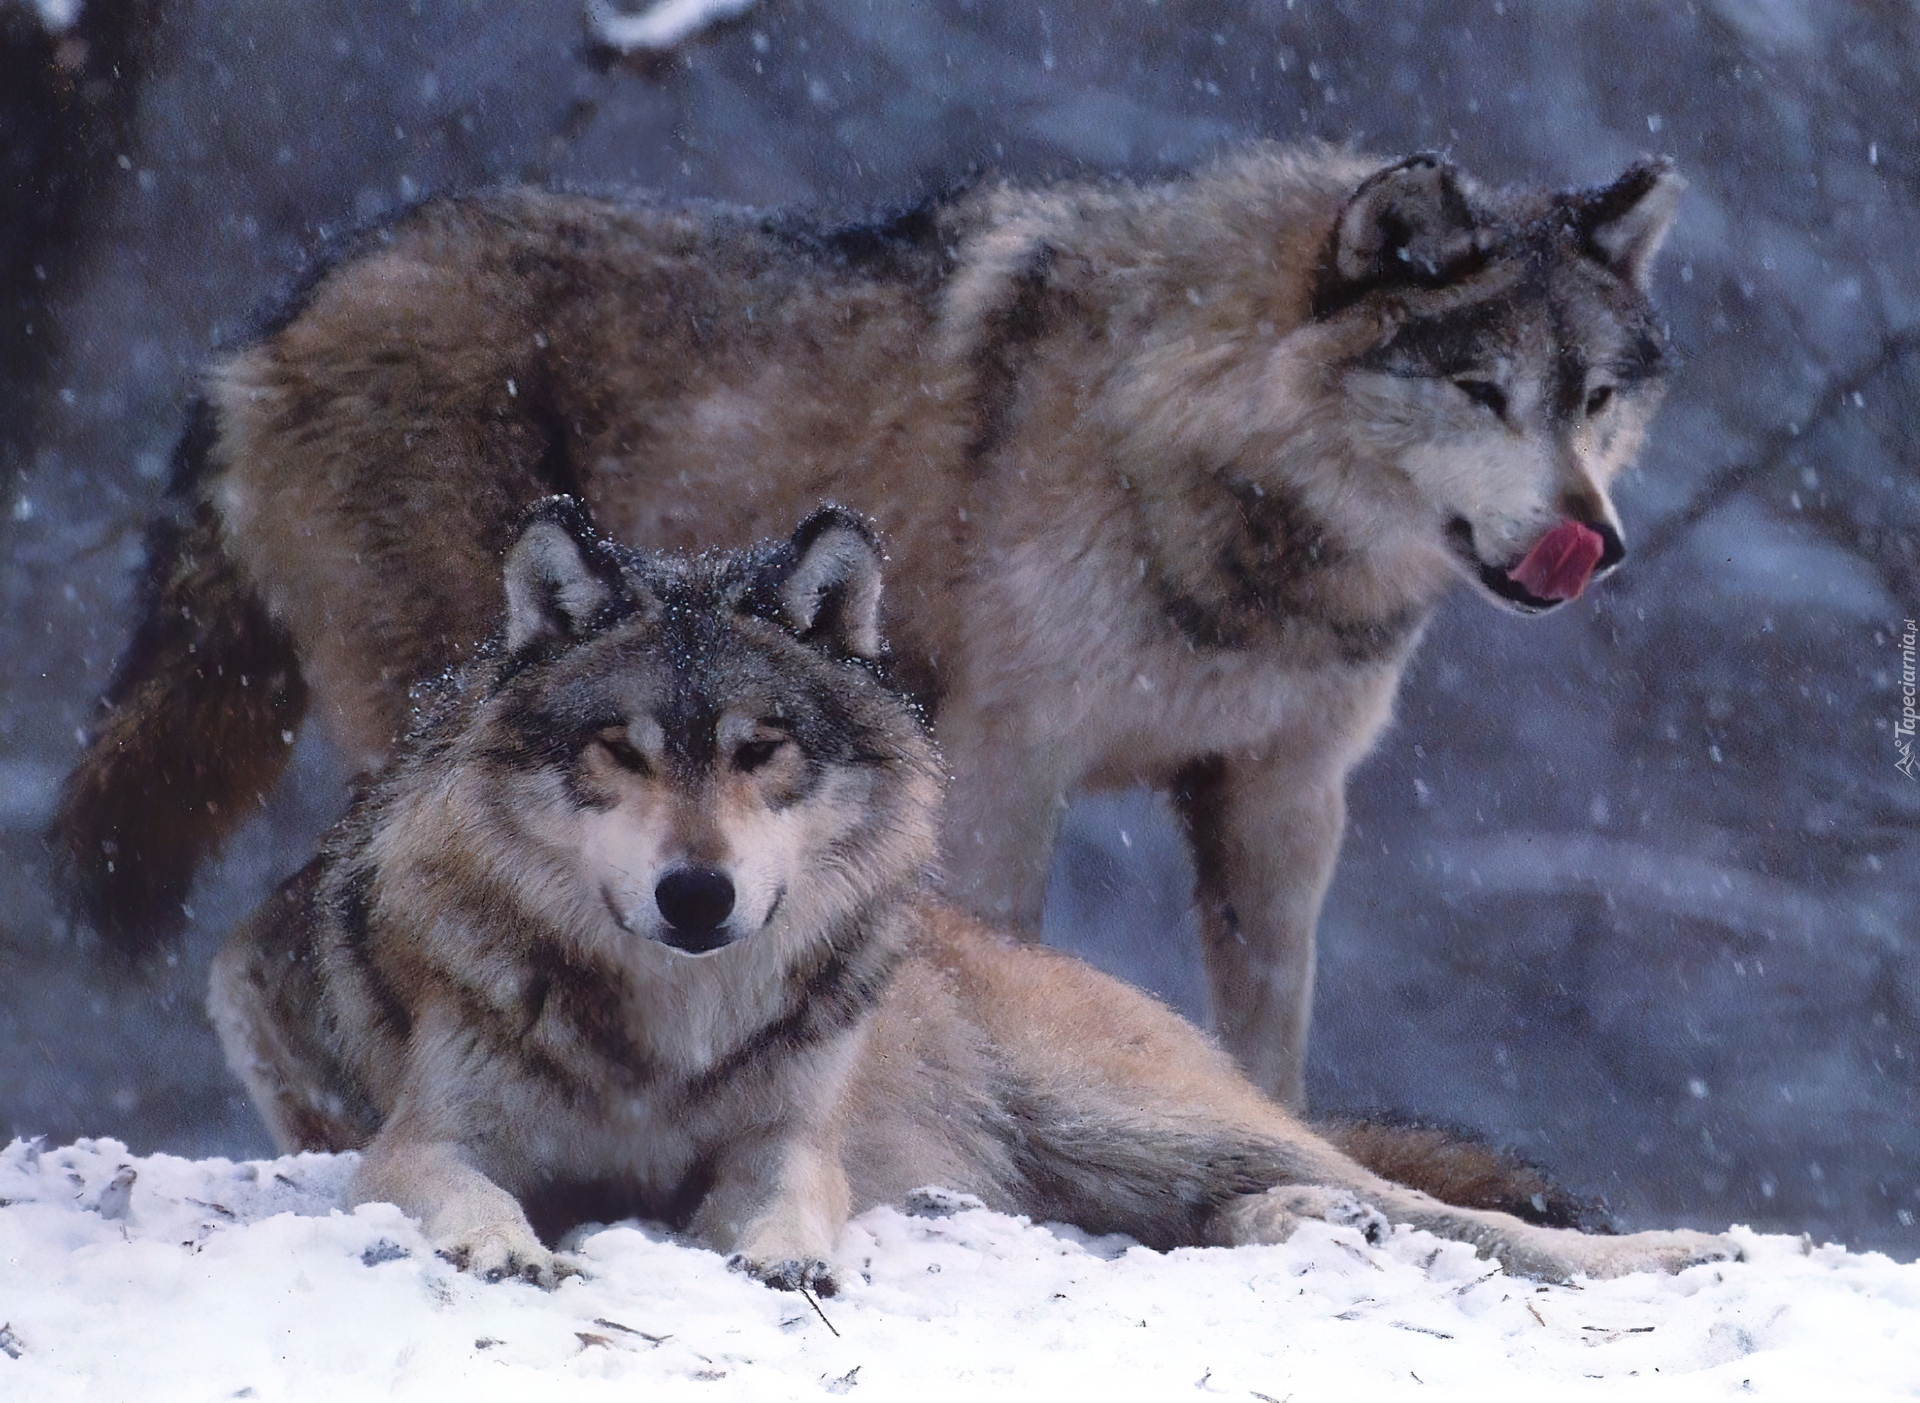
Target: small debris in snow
279 1298
117 1197
385 1250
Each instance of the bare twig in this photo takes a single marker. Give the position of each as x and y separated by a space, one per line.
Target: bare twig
1735 478
817 1311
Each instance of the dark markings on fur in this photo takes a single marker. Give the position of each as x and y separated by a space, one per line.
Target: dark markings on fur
589 998
353 918
531 733
822 1000
1199 798
689 733
191 735
1567 371
1360 642
286 976
903 245
1270 577
505 1031
1008 337
555 468
1444 344
1645 354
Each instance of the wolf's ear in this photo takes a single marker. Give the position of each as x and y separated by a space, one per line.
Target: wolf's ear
1409 223
1625 223
830 590
557 582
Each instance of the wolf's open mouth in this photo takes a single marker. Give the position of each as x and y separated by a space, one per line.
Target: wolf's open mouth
1558 568
695 942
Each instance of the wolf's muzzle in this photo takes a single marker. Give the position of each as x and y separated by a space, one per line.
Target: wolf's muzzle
695 903
1502 582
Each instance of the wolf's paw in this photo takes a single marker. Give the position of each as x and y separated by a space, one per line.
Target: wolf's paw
1275 1215
935 1202
508 1252
789 1274
1668 1252
1336 1206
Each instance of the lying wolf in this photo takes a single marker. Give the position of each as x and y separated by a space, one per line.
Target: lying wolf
640 921
1181 469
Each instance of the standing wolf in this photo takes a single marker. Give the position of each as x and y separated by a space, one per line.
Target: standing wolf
1181 471
639 922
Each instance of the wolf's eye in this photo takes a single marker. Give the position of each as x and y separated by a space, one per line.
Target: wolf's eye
1486 394
1599 399
755 753
624 752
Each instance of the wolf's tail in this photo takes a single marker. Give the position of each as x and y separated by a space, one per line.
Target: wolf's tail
1460 1169
195 730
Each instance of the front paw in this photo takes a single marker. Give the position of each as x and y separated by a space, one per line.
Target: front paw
507 1252
788 1274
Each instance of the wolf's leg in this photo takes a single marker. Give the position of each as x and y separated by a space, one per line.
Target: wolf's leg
466 1216
1003 813
777 1206
1325 1183
452 1099
1265 835
302 1110
269 1007
1552 1254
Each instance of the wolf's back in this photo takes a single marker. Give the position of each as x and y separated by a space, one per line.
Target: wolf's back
194 729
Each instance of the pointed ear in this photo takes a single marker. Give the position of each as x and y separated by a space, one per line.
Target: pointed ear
558 582
1625 224
831 590
1409 223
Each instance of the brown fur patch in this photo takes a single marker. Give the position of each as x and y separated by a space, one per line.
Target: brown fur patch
1459 1169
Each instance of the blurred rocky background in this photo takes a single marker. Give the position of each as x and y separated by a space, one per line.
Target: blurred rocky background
1633 888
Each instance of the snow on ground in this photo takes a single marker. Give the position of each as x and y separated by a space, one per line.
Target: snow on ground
209 1279
661 25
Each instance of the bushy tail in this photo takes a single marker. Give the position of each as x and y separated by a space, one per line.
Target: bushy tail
1467 1173
196 728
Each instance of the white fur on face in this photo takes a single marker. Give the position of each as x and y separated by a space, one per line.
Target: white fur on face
1509 476
729 820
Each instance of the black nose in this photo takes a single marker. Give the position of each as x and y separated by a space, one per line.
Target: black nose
1613 550
696 902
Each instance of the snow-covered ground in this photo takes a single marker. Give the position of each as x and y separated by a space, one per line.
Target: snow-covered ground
209 1279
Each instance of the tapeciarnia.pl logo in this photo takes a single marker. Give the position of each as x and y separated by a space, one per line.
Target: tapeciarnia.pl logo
1903 728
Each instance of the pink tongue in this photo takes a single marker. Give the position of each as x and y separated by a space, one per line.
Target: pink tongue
1560 566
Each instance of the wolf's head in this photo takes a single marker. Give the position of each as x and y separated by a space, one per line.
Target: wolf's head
1386 372
1509 360
695 752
